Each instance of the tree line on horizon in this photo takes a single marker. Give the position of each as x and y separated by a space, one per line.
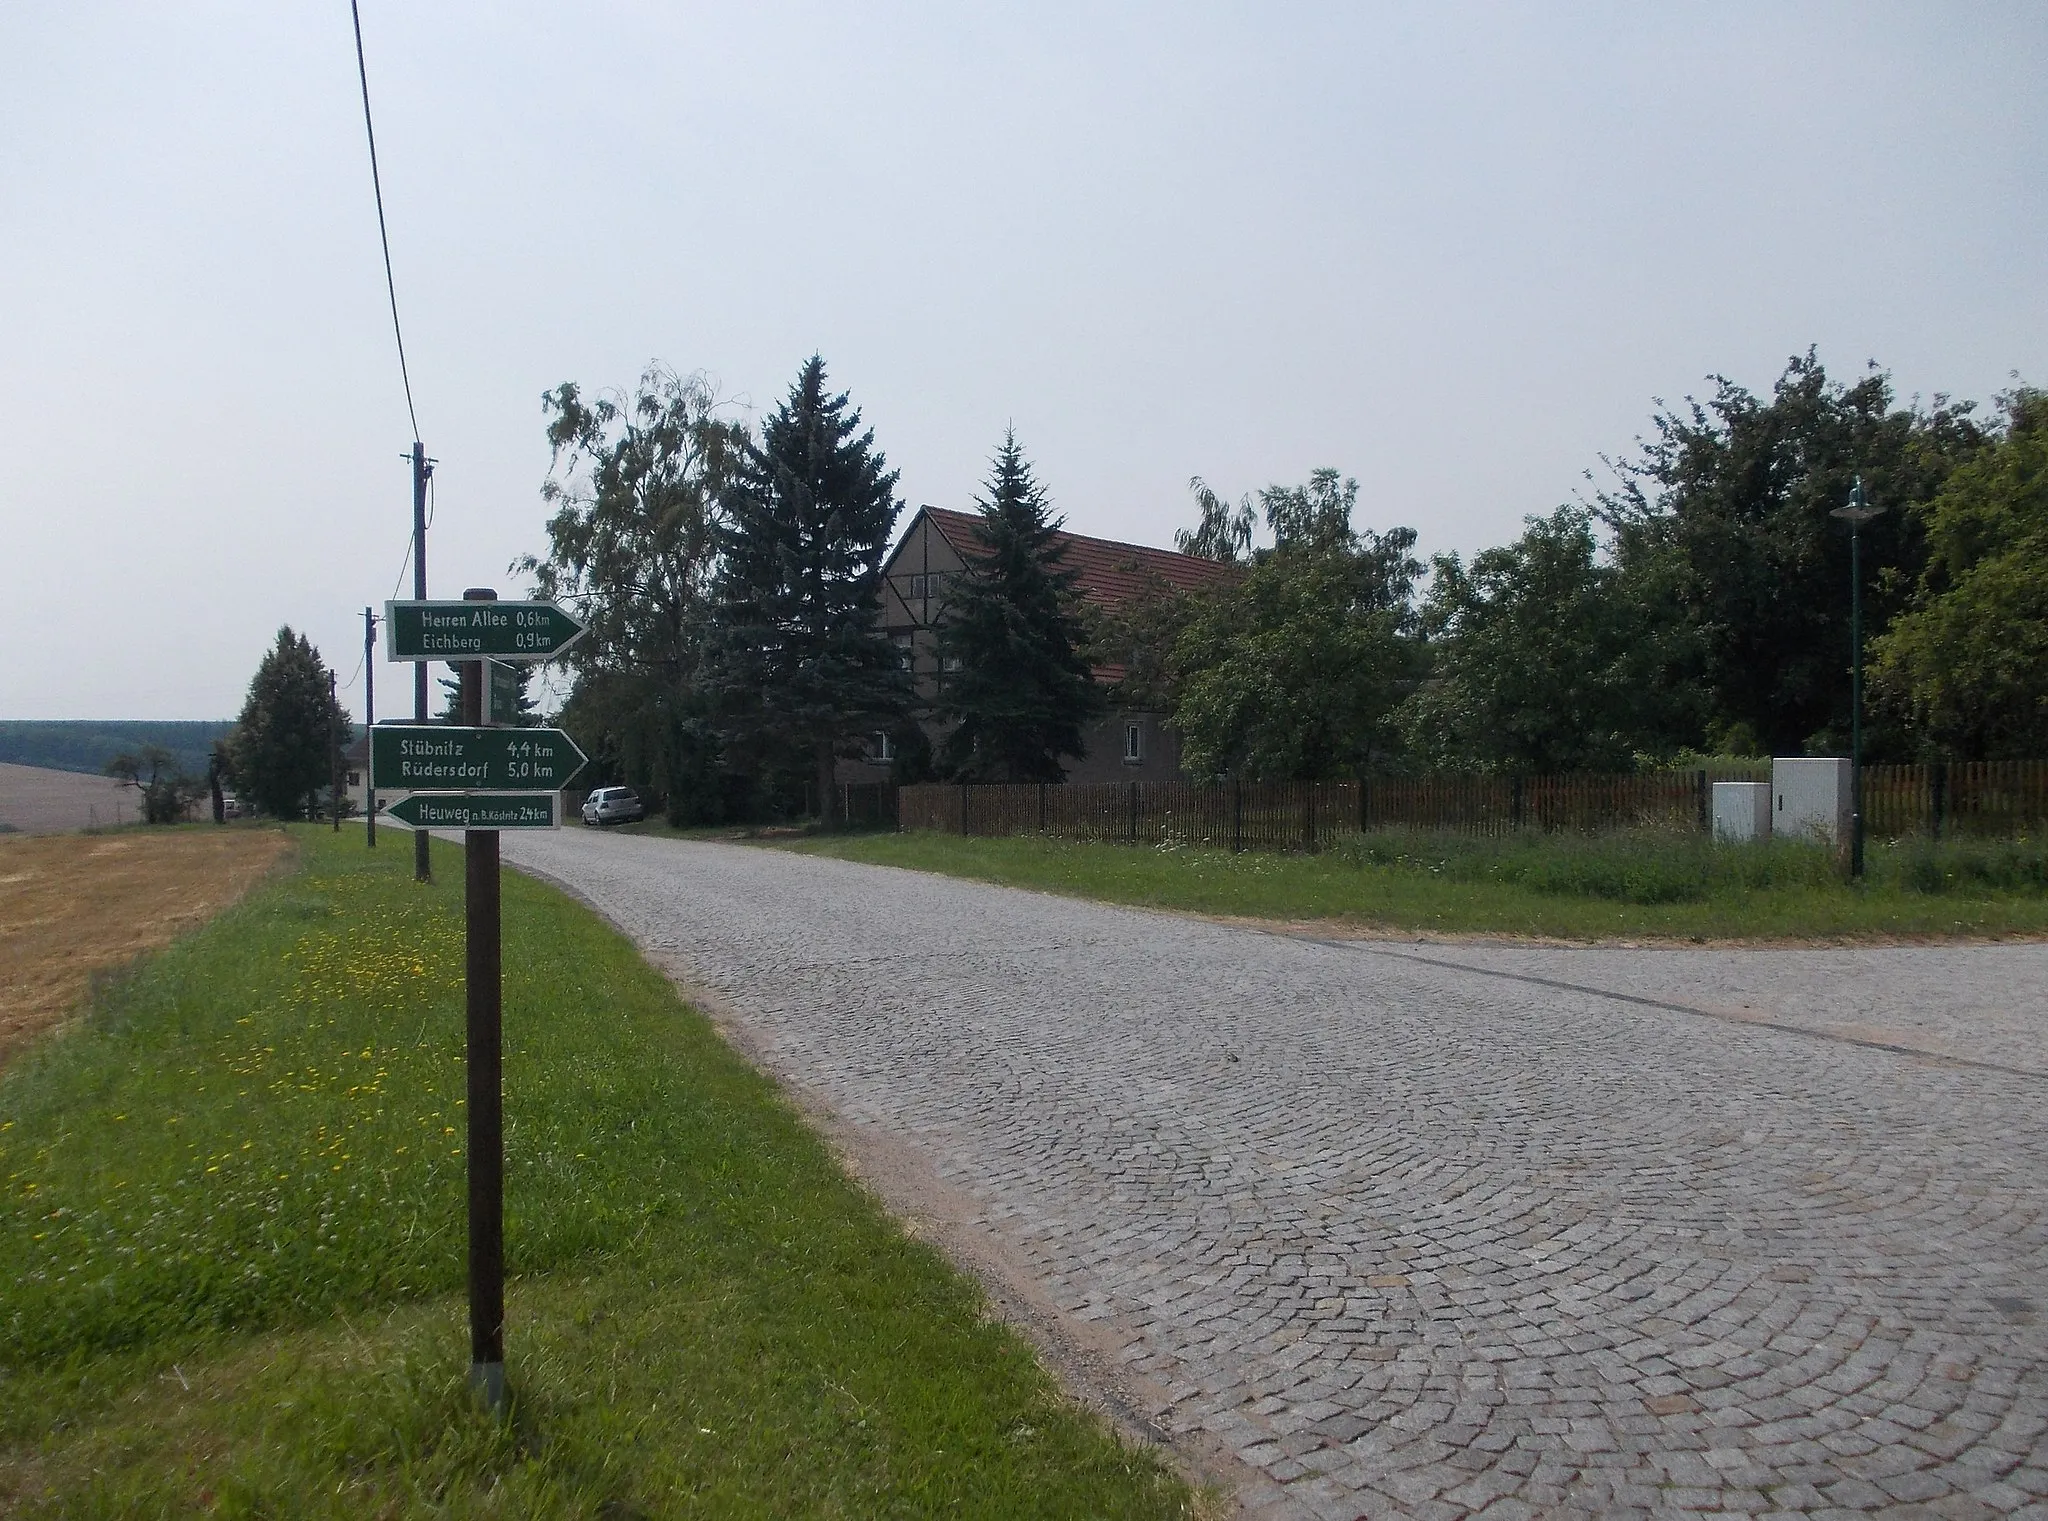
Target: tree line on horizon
1698 606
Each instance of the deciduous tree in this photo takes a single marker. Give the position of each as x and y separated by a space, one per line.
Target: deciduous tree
1969 661
637 484
1296 672
1548 658
1741 488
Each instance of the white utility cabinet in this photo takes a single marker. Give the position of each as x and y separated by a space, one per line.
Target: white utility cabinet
1742 811
1810 798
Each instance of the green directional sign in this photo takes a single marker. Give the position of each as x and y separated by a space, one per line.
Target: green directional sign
477 630
442 758
477 810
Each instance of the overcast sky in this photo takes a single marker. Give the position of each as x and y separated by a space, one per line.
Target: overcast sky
1454 251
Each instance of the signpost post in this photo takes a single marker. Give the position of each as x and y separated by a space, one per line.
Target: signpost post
479 780
486 1106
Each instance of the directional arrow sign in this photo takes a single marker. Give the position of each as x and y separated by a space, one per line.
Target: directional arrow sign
477 810
441 758
474 630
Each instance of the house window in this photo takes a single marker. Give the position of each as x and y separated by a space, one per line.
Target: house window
355 778
949 663
905 657
930 584
1134 744
884 751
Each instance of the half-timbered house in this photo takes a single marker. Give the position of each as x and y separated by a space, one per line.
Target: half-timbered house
1129 744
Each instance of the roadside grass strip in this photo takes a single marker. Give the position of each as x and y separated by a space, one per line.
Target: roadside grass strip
231 1251
1648 884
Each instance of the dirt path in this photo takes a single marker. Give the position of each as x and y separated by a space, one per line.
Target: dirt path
71 905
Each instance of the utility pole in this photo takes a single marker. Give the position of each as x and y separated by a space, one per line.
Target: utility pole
486 1105
422 471
1856 514
369 723
333 753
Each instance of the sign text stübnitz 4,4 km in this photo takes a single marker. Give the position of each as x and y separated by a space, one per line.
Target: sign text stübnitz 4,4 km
477 630
442 758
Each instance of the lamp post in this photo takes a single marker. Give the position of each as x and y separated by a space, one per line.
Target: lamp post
1856 514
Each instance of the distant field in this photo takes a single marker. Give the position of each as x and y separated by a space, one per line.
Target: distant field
38 800
88 744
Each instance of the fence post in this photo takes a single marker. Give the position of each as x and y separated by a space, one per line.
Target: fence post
963 810
1937 795
1134 813
1364 803
1515 801
1236 814
1308 818
1041 807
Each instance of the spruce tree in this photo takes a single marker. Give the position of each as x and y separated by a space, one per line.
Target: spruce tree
801 667
279 750
1023 693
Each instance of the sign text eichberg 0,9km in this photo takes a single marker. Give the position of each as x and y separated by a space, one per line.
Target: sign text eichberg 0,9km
466 630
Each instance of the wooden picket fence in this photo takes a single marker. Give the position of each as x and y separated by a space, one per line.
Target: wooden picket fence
1991 798
1986 798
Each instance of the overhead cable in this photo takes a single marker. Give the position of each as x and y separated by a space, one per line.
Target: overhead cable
383 235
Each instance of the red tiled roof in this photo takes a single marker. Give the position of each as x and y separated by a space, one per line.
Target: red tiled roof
1106 572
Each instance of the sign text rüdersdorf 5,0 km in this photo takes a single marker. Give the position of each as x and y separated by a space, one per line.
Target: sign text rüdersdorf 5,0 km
441 758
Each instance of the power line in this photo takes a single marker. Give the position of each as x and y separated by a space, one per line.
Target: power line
383 235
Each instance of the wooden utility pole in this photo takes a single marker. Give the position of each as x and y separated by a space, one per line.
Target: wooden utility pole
422 471
369 722
486 1094
333 753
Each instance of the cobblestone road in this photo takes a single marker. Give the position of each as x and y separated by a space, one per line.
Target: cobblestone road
1435 1230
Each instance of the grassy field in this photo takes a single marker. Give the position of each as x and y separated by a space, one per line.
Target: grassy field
231 1251
1618 886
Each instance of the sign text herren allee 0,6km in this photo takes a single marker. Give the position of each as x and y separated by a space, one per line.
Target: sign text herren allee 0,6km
477 630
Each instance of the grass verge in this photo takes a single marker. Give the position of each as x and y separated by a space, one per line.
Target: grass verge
231 1250
1604 887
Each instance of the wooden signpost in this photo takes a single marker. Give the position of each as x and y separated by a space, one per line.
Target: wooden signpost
480 780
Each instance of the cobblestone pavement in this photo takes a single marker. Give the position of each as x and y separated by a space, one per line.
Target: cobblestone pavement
1412 1237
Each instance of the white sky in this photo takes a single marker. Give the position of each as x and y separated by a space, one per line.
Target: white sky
1454 251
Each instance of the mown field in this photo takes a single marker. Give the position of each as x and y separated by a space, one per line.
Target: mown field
231 1251
1631 886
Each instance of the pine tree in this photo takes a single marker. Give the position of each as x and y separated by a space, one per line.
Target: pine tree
279 750
1023 693
801 667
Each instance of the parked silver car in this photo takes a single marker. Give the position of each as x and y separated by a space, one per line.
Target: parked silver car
613 805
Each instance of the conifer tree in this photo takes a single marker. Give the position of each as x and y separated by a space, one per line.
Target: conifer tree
279 750
801 667
1023 693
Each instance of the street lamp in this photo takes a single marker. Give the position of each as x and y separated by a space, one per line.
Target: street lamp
1856 514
